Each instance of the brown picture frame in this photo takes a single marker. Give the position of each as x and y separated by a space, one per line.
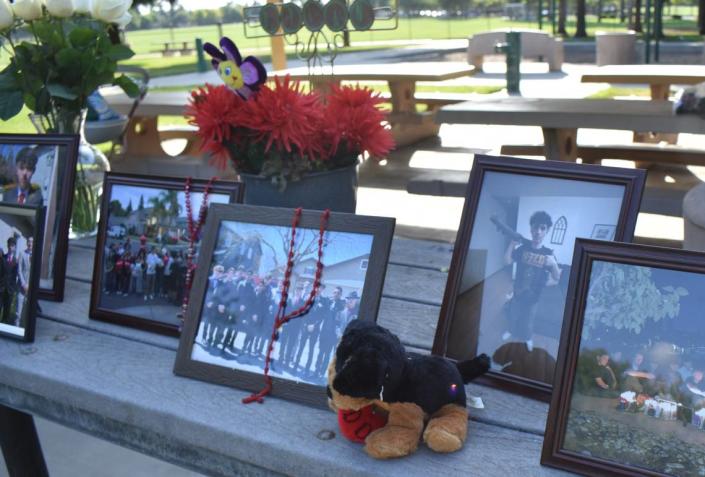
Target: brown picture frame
631 179
233 190
37 214
381 229
61 215
586 253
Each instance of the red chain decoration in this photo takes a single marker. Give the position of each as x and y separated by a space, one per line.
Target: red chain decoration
194 230
281 318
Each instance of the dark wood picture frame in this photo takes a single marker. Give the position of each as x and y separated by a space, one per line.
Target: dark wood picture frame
37 214
234 190
380 228
586 253
68 155
631 179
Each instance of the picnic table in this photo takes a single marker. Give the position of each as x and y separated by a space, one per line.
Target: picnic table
560 119
659 78
408 124
170 48
117 384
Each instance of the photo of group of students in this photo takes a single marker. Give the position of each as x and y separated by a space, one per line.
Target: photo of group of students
144 252
633 380
15 267
244 291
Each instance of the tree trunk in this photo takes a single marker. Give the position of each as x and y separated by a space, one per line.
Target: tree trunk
580 30
701 16
622 14
562 13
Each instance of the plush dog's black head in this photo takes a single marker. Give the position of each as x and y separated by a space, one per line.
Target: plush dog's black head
368 360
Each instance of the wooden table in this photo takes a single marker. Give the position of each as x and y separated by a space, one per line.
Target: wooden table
560 119
117 384
408 125
658 77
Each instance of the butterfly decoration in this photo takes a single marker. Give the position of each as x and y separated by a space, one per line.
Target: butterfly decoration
241 76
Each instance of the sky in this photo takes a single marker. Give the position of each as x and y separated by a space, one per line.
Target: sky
125 193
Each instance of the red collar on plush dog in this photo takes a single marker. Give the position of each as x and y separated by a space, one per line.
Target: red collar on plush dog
356 425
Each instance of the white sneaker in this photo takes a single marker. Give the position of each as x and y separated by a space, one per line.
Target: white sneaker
506 335
529 345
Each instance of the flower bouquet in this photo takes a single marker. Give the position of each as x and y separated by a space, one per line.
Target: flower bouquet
66 54
285 134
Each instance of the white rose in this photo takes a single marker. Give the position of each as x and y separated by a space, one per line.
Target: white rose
110 11
60 8
82 6
7 18
124 20
27 9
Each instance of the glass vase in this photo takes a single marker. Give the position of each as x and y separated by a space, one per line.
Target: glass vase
91 166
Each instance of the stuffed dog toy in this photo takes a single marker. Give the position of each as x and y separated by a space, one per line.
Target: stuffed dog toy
372 368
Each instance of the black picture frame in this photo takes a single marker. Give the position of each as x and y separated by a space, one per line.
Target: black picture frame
381 231
632 182
35 215
98 310
589 256
60 214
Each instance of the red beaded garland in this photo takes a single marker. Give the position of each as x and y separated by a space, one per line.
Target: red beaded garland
281 318
193 229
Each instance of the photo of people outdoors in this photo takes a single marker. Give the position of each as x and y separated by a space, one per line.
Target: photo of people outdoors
513 286
244 291
144 256
32 175
638 395
17 229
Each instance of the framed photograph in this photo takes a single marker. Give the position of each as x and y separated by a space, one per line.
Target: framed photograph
21 234
40 170
508 277
139 272
237 291
603 232
629 395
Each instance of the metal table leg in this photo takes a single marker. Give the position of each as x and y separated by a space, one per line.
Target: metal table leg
20 444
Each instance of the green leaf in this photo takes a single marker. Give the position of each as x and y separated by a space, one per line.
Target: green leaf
10 104
42 103
61 91
82 37
8 79
128 86
120 52
68 58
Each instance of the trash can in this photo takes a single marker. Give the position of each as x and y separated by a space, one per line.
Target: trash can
615 48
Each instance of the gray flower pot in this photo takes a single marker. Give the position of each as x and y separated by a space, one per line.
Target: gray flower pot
335 190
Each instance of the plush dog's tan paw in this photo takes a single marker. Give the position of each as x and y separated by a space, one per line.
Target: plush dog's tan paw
391 442
400 436
447 429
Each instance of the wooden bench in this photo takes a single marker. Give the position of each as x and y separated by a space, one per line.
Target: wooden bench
434 100
534 44
641 153
117 384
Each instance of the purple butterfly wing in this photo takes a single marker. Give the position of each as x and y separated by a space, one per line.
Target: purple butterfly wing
253 72
230 50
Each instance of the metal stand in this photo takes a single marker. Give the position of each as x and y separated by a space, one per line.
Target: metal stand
20 444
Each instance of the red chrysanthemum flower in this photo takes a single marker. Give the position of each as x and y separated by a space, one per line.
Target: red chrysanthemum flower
215 110
285 117
352 117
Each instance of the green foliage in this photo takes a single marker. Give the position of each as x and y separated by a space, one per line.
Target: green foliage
624 297
54 73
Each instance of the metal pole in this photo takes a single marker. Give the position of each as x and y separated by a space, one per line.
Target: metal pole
553 17
540 15
647 35
658 16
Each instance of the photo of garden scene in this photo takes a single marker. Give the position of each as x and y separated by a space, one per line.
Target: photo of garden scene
639 393
145 252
